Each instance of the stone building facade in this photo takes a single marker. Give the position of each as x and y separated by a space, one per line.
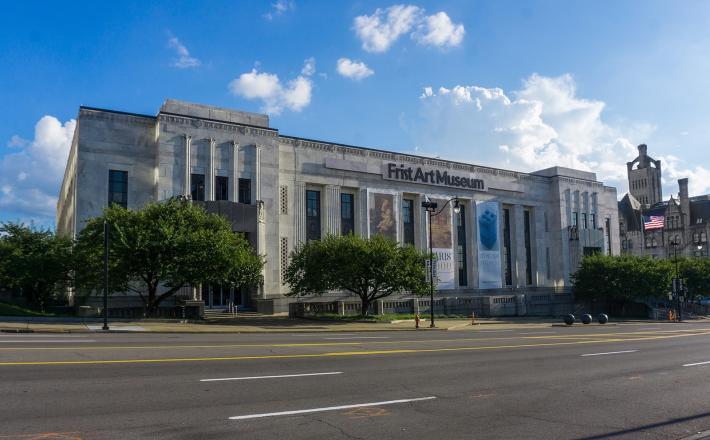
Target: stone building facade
686 220
516 232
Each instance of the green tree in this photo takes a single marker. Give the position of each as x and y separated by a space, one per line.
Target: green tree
157 250
621 279
696 274
36 261
369 268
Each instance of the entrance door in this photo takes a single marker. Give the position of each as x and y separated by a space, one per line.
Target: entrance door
215 297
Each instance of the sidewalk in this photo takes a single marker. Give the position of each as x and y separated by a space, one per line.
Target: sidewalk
289 325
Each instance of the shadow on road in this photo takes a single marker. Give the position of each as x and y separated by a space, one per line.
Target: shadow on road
646 427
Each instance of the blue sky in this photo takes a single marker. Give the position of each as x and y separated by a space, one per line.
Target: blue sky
521 85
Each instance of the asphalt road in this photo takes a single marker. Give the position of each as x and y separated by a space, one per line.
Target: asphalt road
618 382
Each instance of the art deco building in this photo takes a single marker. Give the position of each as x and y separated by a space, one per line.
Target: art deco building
516 233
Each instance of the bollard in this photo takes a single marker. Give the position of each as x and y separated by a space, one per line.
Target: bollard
586 318
602 318
416 320
569 319
473 318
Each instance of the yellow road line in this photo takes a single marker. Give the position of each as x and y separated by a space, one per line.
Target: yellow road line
336 354
345 343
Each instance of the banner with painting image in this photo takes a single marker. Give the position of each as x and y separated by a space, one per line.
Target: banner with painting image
382 213
489 265
442 245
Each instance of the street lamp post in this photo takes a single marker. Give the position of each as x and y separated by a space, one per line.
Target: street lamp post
431 210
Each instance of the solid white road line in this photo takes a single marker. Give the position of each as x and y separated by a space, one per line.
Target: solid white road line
697 363
329 408
272 377
609 352
45 341
360 337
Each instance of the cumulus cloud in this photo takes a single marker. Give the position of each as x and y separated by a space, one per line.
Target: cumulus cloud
438 30
280 8
544 124
356 70
675 168
31 176
276 96
184 60
384 27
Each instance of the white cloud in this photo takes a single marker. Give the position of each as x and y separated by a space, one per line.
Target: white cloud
674 169
184 60
438 30
30 177
356 70
544 124
280 8
276 97
379 31
309 67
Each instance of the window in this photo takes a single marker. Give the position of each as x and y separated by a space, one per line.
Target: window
703 237
593 220
118 188
623 244
408 221
547 263
461 245
506 248
607 224
197 186
221 183
245 191
312 215
696 237
584 220
631 244
347 214
575 219
528 247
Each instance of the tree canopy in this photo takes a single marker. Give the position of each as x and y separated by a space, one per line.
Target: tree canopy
622 279
371 268
35 261
157 250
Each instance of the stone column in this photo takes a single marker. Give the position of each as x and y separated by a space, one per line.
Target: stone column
257 172
234 196
517 237
210 184
188 165
332 209
362 208
299 213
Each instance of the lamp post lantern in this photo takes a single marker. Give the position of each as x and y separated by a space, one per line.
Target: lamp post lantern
430 208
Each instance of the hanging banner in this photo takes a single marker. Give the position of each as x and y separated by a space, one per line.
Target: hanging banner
489 275
382 215
442 245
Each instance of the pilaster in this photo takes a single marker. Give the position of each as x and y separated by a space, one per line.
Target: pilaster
257 172
299 213
210 184
332 209
188 165
234 170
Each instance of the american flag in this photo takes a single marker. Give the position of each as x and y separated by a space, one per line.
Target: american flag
652 222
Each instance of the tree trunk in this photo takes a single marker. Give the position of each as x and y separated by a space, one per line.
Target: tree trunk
152 304
365 307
